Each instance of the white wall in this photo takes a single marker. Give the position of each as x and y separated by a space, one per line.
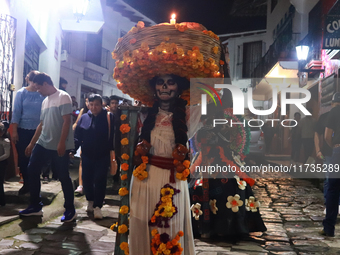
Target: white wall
73 69
43 17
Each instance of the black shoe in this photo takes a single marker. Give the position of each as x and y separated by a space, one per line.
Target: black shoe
24 190
323 233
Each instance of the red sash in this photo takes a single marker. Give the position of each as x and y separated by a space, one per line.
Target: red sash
165 163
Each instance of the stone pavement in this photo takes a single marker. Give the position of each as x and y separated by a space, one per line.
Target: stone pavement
291 208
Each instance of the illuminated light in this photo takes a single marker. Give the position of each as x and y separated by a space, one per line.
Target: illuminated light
173 19
164 51
302 52
80 8
150 53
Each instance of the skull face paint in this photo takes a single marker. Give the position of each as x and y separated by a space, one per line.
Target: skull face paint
166 88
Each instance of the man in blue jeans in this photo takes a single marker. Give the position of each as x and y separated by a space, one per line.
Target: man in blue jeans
323 150
332 137
52 140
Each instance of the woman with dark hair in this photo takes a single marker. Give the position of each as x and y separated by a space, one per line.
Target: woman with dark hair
79 190
229 207
164 132
25 120
154 65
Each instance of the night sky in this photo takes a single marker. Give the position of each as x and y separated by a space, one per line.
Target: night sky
213 14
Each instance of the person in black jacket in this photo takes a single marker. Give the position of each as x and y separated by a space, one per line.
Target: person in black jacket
95 134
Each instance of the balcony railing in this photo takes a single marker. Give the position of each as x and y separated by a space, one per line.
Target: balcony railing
281 48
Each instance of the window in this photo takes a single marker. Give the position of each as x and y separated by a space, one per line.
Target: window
105 58
31 60
252 53
94 48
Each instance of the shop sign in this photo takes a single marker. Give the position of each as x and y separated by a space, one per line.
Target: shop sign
331 38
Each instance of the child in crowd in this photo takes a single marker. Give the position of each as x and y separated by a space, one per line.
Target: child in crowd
5 147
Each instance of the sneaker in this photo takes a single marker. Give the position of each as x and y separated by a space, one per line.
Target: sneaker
97 213
79 190
24 190
89 206
69 215
45 180
32 210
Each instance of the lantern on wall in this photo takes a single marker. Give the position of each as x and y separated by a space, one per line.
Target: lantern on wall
80 8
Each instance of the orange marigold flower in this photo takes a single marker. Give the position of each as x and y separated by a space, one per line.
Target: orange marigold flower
174 242
186 163
125 166
215 49
123 116
122 229
154 232
133 41
124 209
186 172
123 192
125 156
124 128
221 62
180 233
169 245
124 141
176 162
124 246
114 55
145 159
124 177
195 48
140 24
153 219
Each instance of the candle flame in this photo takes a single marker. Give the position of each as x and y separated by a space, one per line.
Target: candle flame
173 16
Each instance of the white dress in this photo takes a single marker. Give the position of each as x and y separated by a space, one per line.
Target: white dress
146 194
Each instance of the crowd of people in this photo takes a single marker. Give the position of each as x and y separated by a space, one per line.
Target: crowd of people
46 136
166 208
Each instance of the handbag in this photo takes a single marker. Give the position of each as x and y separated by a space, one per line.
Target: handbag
113 162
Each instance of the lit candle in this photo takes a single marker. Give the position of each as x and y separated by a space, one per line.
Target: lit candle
173 19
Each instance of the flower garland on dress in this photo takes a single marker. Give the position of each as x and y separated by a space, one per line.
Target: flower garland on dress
123 228
179 154
165 208
240 139
162 245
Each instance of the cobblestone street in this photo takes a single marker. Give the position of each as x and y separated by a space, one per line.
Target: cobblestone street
291 208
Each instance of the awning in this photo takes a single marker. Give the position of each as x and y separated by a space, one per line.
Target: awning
282 75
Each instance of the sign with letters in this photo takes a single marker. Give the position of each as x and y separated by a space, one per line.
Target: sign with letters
331 37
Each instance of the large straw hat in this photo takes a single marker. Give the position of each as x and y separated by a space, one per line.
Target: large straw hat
186 49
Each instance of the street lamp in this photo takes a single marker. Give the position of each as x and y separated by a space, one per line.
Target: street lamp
302 52
80 8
